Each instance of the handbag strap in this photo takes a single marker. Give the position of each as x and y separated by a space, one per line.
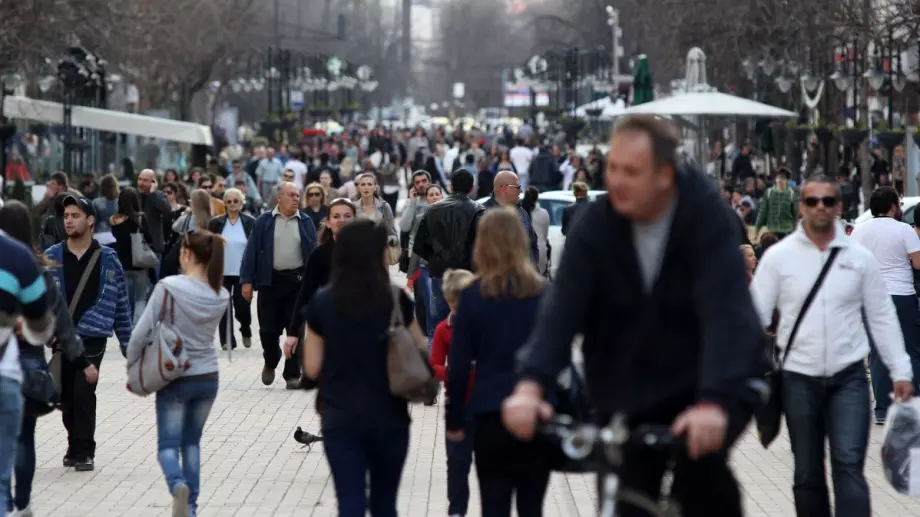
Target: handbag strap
83 279
808 300
396 318
167 299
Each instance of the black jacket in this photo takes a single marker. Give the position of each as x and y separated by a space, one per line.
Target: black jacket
695 338
571 213
217 224
544 169
446 233
65 334
526 220
315 275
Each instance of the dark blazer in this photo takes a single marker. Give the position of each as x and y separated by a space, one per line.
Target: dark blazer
570 214
490 332
528 226
217 224
315 275
696 337
259 256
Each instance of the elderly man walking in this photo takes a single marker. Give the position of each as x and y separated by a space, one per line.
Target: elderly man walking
278 247
506 192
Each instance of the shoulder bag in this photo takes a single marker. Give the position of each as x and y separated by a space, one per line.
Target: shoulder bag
141 255
163 358
408 371
769 416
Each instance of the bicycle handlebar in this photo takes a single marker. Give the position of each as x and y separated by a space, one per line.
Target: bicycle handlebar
580 440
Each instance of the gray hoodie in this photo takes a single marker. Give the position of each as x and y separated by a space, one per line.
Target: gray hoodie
198 311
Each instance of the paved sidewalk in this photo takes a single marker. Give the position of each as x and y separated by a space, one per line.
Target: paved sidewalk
252 467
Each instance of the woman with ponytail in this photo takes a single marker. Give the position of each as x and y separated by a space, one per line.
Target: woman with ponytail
195 302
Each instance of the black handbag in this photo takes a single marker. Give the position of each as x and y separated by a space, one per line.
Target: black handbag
769 417
38 391
575 403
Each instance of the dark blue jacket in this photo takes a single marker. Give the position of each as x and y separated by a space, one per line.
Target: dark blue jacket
259 256
489 331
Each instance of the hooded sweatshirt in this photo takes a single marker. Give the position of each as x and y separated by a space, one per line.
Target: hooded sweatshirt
198 310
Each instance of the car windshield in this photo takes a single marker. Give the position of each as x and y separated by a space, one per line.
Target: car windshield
555 208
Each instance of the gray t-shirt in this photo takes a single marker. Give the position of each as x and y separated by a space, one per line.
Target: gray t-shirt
651 240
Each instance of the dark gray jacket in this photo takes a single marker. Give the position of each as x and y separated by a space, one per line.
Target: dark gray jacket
65 335
156 208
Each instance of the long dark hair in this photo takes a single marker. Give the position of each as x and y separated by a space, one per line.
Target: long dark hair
360 283
16 222
129 204
531 195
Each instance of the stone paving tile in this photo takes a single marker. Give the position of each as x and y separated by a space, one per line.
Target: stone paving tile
252 466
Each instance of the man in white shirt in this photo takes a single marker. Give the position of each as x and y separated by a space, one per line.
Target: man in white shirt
825 392
521 156
897 249
298 167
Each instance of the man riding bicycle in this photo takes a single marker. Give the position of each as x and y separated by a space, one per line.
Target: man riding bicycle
655 282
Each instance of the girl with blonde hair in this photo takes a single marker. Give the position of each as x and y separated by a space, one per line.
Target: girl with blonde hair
493 320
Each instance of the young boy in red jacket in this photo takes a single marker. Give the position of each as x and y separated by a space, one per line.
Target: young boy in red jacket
459 453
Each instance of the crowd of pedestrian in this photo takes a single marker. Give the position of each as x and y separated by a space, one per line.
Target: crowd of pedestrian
675 319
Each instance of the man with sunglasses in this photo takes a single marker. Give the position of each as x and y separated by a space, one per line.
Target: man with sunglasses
896 247
240 177
822 345
206 183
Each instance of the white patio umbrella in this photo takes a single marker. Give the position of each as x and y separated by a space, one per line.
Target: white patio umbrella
711 104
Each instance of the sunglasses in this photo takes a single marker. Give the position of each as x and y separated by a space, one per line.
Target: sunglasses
231 201
828 201
314 194
207 187
169 192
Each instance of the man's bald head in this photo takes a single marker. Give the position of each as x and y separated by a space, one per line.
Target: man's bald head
507 187
288 198
147 181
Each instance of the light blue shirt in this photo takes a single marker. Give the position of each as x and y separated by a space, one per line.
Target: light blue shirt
236 245
270 170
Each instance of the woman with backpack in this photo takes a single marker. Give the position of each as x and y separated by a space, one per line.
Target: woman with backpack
127 221
16 222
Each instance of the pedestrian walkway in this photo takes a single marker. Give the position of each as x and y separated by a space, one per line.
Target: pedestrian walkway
252 467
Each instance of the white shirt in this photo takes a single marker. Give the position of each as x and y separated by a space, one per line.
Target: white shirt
236 246
300 172
9 363
891 241
831 336
521 157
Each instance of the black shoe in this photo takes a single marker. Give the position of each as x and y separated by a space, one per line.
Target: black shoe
85 465
69 461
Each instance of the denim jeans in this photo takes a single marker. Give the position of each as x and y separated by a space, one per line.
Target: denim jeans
182 410
438 310
424 292
10 423
358 455
24 467
908 309
459 463
136 281
835 409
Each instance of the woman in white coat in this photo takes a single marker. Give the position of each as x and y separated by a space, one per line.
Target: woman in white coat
539 218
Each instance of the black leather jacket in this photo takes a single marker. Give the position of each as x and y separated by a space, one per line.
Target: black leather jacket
65 335
446 233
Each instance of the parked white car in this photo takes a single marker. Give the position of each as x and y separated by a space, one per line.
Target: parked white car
555 202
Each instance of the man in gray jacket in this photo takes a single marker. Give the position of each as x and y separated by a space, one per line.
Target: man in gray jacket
156 209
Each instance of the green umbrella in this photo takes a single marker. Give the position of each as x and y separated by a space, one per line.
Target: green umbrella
643 87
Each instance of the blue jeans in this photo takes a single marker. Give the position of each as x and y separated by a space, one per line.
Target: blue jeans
438 310
424 291
24 467
182 410
908 309
136 281
356 455
10 424
459 463
835 409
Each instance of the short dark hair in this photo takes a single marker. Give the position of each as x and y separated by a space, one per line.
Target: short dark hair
420 172
664 137
60 178
783 171
462 181
469 159
882 200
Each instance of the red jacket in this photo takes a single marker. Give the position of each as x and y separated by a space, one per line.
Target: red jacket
440 346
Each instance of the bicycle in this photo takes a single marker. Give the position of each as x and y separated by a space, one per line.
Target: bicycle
580 441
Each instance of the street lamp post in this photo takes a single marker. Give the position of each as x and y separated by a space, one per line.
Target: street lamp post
613 20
